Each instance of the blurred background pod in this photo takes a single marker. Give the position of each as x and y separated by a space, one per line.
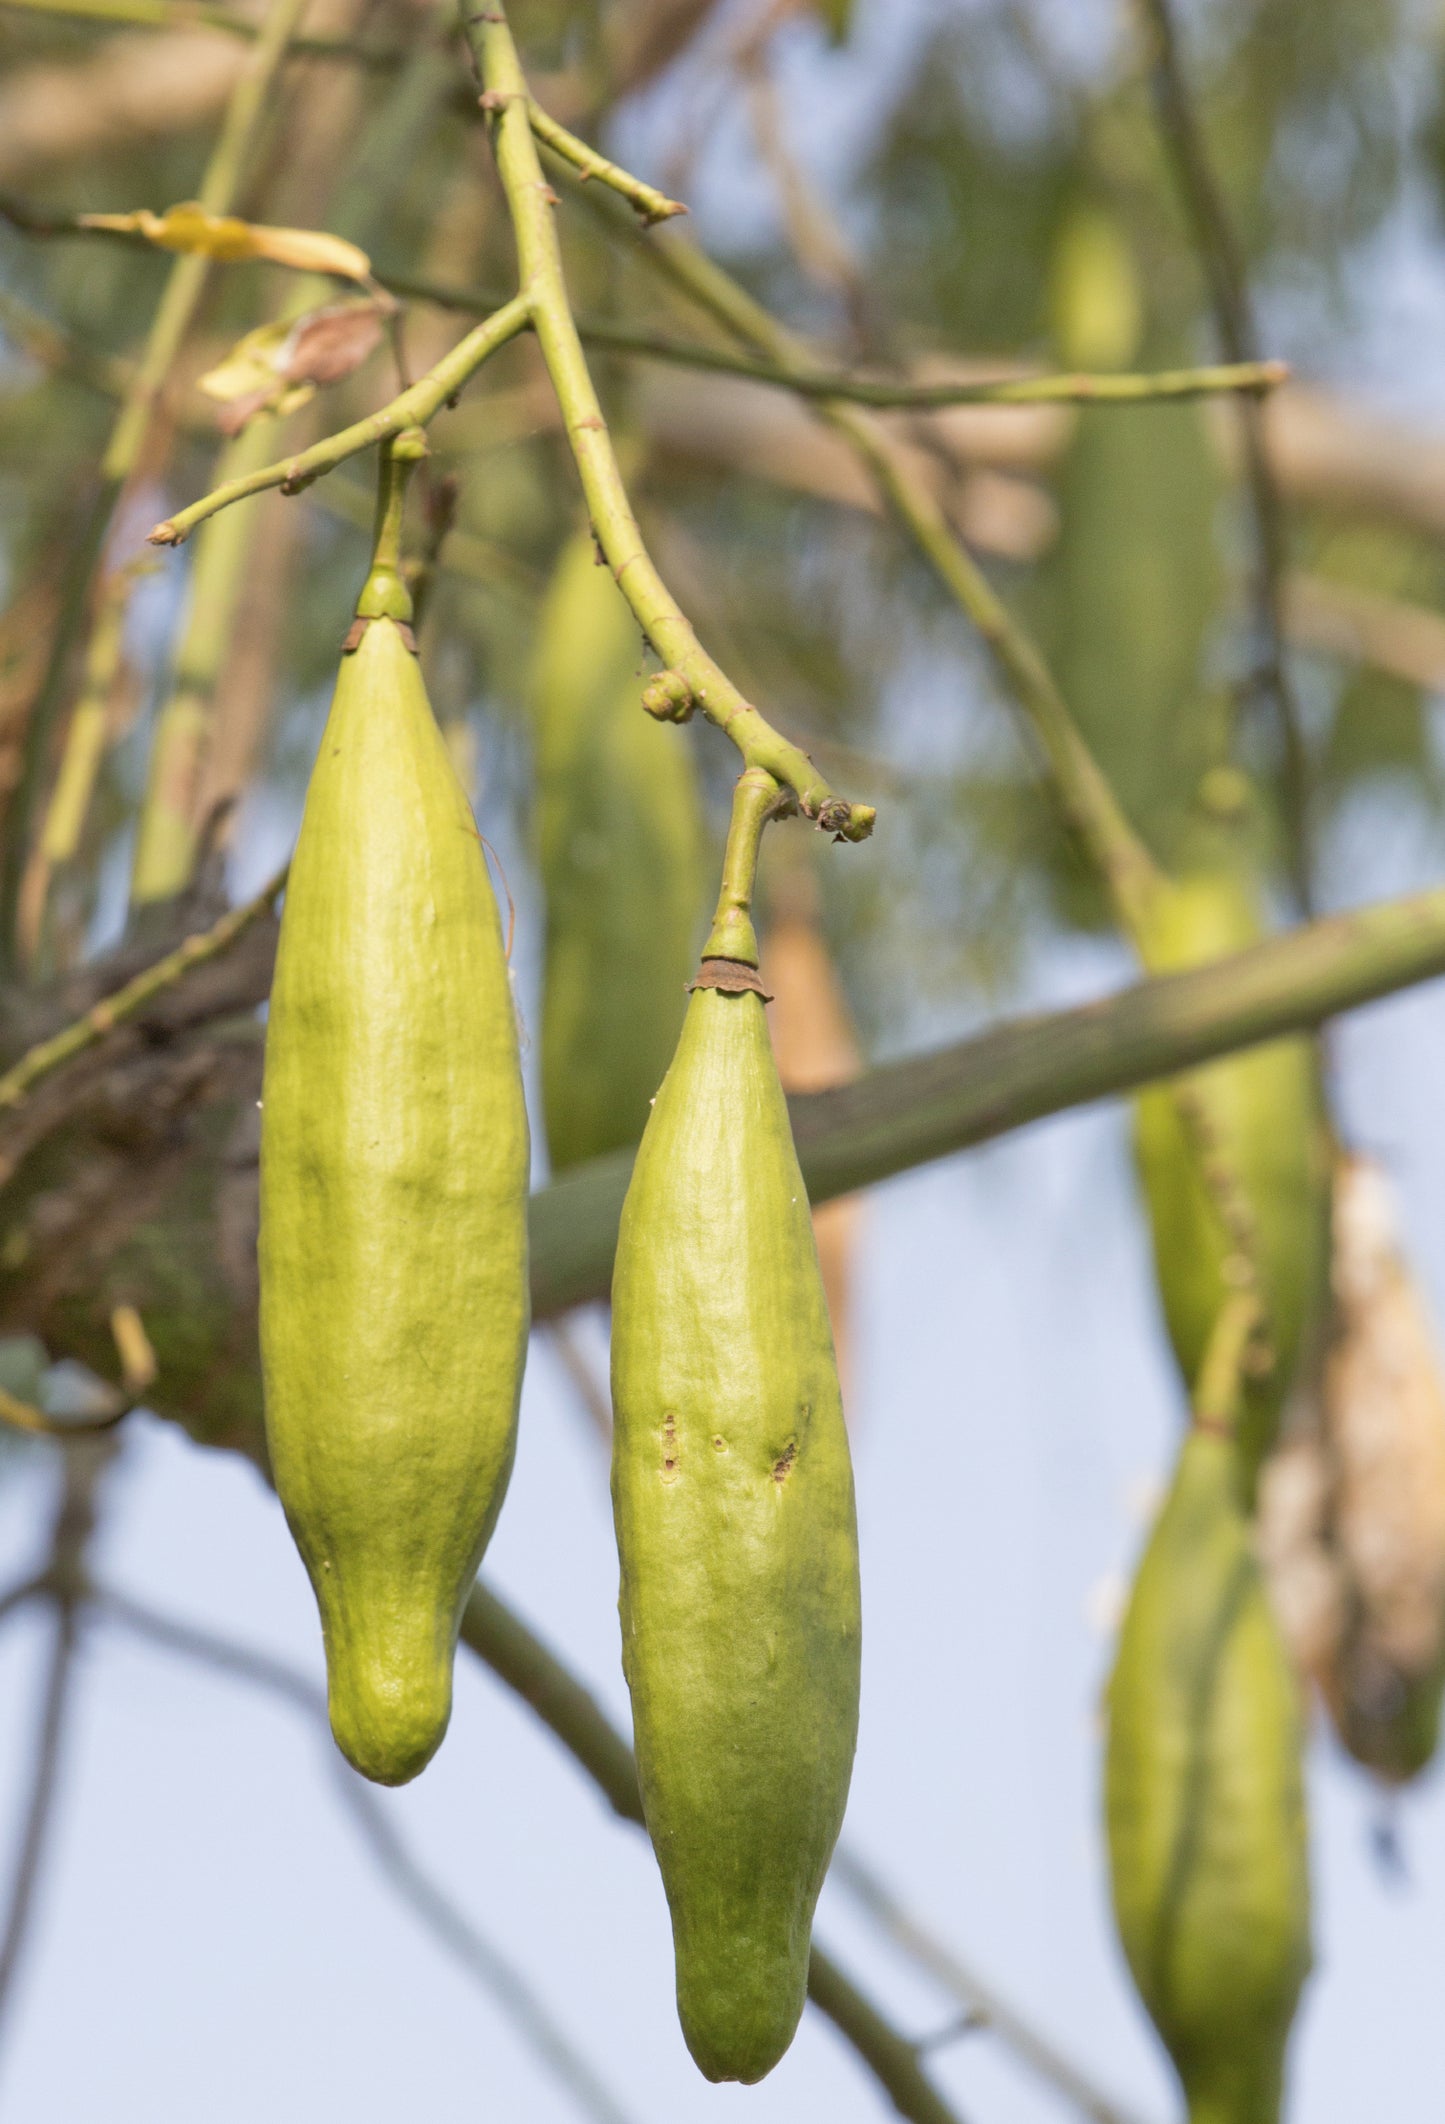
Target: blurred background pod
815 1044
1131 591
1263 1114
1204 1796
620 844
170 824
1352 1508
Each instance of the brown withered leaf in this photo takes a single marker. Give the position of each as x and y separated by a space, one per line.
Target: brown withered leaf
277 367
238 413
329 344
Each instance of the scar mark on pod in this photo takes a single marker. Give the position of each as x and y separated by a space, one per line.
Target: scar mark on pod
670 1454
783 1464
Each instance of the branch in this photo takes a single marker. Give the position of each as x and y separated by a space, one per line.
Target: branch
645 200
112 1010
63 1580
930 1106
568 1710
1105 389
503 1641
456 1933
695 679
908 1113
1225 277
1089 804
413 408
158 14
1120 856
874 1896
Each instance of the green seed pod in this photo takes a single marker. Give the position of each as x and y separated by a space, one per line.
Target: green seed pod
1263 1111
1204 1797
394 1168
620 843
1130 591
733 1497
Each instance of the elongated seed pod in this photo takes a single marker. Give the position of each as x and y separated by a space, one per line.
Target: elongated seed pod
1130 589
394 1166
620 845
1263 1114
1204 1798
168 830
733 1497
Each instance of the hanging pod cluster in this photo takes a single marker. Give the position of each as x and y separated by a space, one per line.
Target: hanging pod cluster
395 1312
394 1167
620 847
733 1497
1234 1165
1204 1792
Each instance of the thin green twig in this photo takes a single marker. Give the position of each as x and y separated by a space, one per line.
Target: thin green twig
412 408
1118 853
1228 284
20 1079
645 200
883 393
756 799
700 681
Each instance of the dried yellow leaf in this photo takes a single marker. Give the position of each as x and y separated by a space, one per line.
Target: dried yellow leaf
188 227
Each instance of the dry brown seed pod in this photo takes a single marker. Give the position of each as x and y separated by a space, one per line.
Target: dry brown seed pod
1383 1420
1352 1506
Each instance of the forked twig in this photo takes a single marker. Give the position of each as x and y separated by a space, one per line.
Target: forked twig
978 1998
456 1933
103 1017
1228 285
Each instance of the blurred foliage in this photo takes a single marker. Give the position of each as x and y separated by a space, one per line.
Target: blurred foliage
1011 202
